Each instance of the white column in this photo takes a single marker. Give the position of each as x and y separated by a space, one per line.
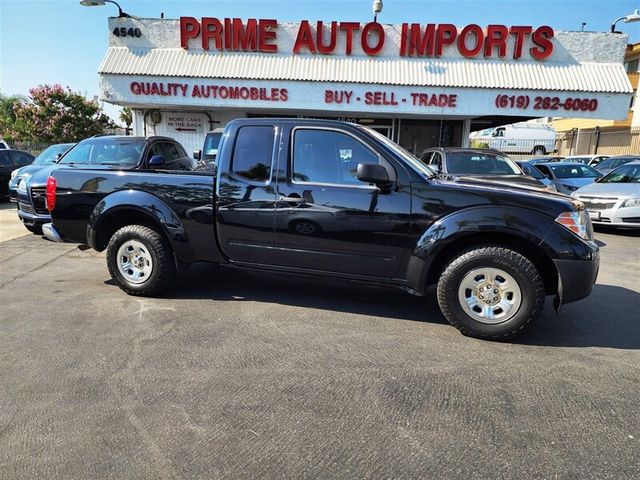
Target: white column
466 130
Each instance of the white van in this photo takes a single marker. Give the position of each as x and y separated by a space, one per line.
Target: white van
524 138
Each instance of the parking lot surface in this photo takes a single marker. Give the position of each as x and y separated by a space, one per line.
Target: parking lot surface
238 375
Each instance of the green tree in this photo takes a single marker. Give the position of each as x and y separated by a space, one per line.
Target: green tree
53 114
126 116
7 114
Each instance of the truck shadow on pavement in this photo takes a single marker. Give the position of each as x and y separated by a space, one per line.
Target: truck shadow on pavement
608 318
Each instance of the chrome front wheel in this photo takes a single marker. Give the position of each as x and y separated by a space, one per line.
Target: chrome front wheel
489 295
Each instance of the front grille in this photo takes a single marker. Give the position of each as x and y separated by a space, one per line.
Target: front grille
25 207
594 203
38 197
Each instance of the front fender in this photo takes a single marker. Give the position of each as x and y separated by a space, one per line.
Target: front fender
122 201
516 222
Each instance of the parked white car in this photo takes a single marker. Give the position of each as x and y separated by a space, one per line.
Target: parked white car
3 145
537 139
615 198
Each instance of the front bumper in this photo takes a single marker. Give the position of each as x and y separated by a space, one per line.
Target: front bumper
576 277
628 217
28 214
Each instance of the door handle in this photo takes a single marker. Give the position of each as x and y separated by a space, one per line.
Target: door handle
292 199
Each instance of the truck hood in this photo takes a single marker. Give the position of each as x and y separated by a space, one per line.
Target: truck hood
505 181
480 191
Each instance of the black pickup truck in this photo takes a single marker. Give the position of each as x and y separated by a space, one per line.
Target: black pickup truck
326 198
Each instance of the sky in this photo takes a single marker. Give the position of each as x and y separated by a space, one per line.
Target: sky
60 41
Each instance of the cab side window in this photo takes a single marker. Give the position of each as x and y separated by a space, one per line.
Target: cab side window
329 157
253 153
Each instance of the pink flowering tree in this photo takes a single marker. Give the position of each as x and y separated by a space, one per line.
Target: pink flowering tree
53 114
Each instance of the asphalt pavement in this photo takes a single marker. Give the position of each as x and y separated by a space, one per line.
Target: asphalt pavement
242 375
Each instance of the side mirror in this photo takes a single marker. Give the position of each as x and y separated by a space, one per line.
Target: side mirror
157 161
197 154
373 173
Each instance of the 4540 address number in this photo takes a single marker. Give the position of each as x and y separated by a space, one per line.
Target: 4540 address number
127 32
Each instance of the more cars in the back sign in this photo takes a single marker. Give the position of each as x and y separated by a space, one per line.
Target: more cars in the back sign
568 177
611 163
9 161
492 165
47 157
615 199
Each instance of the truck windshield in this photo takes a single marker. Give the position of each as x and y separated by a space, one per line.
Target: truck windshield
401 152
463 163
106 151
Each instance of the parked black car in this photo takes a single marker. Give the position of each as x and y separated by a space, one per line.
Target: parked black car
110 151
50 155
489 165
11 160
378 215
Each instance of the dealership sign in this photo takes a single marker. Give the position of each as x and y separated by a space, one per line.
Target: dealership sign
356 98
341 38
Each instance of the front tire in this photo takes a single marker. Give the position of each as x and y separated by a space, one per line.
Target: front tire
140 261
490 292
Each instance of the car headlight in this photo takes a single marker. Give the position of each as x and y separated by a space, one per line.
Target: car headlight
14 173
22 186
631 202
578 222
571 188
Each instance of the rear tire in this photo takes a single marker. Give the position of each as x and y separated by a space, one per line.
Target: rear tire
514 299
140 261
539 150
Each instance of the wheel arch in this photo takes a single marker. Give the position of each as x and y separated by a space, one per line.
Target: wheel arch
124 208
535 253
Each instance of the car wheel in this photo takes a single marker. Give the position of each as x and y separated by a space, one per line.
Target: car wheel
34 229
305 227
490 292
140 261
539 150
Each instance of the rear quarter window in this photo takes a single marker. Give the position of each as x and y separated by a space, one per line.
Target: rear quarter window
253 153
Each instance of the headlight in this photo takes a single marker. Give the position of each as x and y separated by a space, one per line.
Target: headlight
13 174
22 186
571 188
578 222
632 202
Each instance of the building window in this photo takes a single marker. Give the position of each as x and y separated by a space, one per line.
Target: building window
632 65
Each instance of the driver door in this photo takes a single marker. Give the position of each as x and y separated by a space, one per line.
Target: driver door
328 220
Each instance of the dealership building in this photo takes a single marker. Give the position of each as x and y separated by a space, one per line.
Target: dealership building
420 84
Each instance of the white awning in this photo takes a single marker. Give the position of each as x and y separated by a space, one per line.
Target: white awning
521 75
